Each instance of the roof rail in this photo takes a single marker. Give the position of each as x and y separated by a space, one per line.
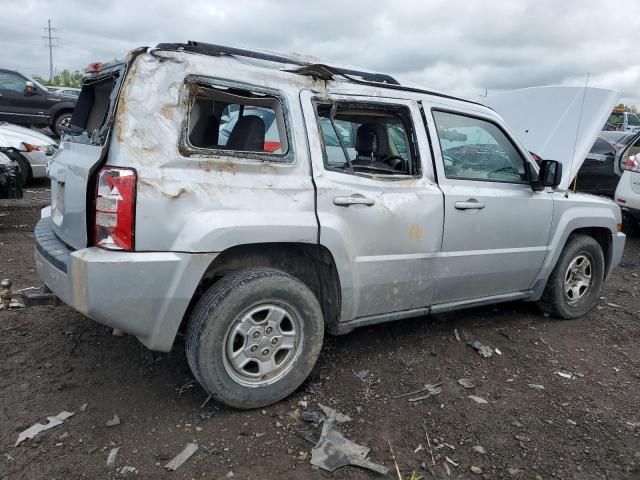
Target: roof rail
325 72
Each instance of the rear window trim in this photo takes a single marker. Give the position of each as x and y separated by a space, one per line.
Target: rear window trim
187 149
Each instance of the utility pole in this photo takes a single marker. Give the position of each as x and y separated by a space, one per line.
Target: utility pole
50 39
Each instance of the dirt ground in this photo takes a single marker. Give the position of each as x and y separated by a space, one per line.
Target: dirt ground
587 427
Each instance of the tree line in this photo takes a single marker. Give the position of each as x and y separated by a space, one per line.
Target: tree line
65 78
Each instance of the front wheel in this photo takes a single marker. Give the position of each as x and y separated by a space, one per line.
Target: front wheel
254 337
575 283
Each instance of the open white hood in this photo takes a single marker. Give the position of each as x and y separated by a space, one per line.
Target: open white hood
556 122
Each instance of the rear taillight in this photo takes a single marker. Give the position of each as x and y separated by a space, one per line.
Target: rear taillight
632 163
115 208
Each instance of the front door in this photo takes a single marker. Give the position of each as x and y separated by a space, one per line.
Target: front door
379 208
18 106
496 228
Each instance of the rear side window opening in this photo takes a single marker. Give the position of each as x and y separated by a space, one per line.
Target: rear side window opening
368 139
242 121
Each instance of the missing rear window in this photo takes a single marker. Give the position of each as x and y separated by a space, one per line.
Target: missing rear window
237 120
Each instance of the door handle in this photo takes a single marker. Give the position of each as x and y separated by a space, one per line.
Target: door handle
471 204
355 199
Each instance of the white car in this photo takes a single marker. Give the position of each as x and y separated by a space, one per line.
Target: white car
29 148
628 191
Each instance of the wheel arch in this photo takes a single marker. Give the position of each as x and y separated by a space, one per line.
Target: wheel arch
312 264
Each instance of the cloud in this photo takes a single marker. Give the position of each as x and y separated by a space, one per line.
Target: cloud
462 47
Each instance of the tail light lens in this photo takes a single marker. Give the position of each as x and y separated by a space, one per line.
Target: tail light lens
115 208
632 163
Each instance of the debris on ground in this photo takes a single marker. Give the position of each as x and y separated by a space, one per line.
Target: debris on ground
570 376
116 332
455 464
522 438
497 351
432 391
303 403
83 407
483 350
311 416
340 417
125 470
34 430
447 469
479 449
114 421
477 399
395 462
182 457
362 374
333 450
614 305
111 459
476 470
457 335
572 422
466 383
536 386
419 448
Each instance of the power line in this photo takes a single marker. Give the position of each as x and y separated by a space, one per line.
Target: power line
49 29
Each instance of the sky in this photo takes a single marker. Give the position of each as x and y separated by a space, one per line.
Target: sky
464 48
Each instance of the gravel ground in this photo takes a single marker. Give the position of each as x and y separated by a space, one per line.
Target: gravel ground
535 424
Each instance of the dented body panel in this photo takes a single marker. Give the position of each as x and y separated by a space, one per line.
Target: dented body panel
406 251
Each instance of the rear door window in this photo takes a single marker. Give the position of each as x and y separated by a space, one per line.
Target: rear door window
367 139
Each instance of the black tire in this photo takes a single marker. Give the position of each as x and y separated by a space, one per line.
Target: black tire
61 120
630 224
24 173
218 313
554 300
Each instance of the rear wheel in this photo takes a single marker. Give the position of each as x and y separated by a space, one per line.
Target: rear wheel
254 337
575 283
61 121
24 174
630 224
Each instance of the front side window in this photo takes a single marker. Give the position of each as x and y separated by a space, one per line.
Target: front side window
367 139
10 81
475 149
222 118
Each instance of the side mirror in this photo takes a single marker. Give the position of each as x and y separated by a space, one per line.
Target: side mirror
550 175
28 88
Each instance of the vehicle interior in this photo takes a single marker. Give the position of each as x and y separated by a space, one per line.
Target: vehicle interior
239 120
366 140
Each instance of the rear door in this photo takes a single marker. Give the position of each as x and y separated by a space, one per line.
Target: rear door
496 228
80 153
383 224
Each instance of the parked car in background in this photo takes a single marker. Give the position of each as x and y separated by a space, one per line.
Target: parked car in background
30 149
25 101
627 194
622 121
601 171
66 91
434 205
9 172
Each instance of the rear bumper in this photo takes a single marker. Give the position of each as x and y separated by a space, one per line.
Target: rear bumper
145 294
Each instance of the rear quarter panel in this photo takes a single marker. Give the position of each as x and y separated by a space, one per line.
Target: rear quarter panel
206 203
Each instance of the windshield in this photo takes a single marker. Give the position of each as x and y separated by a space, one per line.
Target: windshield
634 120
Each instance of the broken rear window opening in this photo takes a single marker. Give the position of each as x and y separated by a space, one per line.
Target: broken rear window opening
367 139
237 120
93 110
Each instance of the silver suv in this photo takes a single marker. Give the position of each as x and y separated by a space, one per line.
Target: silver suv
367 202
